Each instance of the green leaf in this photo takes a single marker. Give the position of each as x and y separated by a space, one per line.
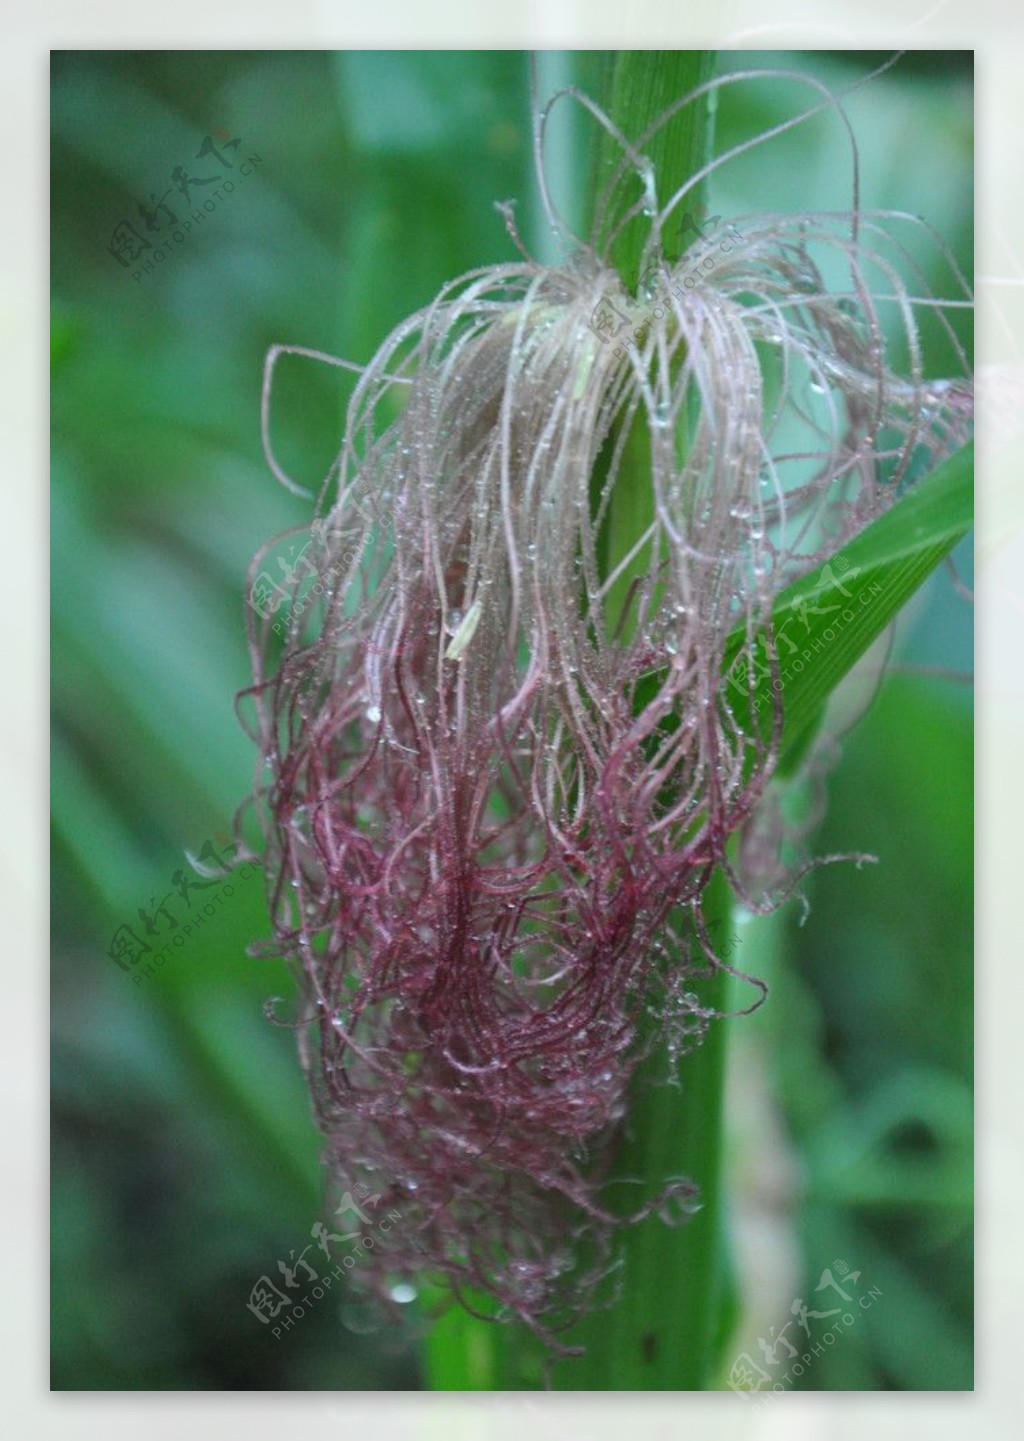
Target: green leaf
824 623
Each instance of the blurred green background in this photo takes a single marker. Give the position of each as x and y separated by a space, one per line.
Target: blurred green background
185 1162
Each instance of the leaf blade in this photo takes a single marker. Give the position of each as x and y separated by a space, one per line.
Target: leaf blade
847 605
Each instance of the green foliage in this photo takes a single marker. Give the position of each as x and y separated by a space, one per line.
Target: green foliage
824 622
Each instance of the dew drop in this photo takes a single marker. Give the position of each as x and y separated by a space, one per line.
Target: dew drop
650 204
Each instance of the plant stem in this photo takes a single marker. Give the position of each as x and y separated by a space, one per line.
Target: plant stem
665 1331
639 86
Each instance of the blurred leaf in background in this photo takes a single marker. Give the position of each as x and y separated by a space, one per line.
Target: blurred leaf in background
185 1161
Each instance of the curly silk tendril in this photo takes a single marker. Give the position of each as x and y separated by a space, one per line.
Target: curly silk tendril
500 763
